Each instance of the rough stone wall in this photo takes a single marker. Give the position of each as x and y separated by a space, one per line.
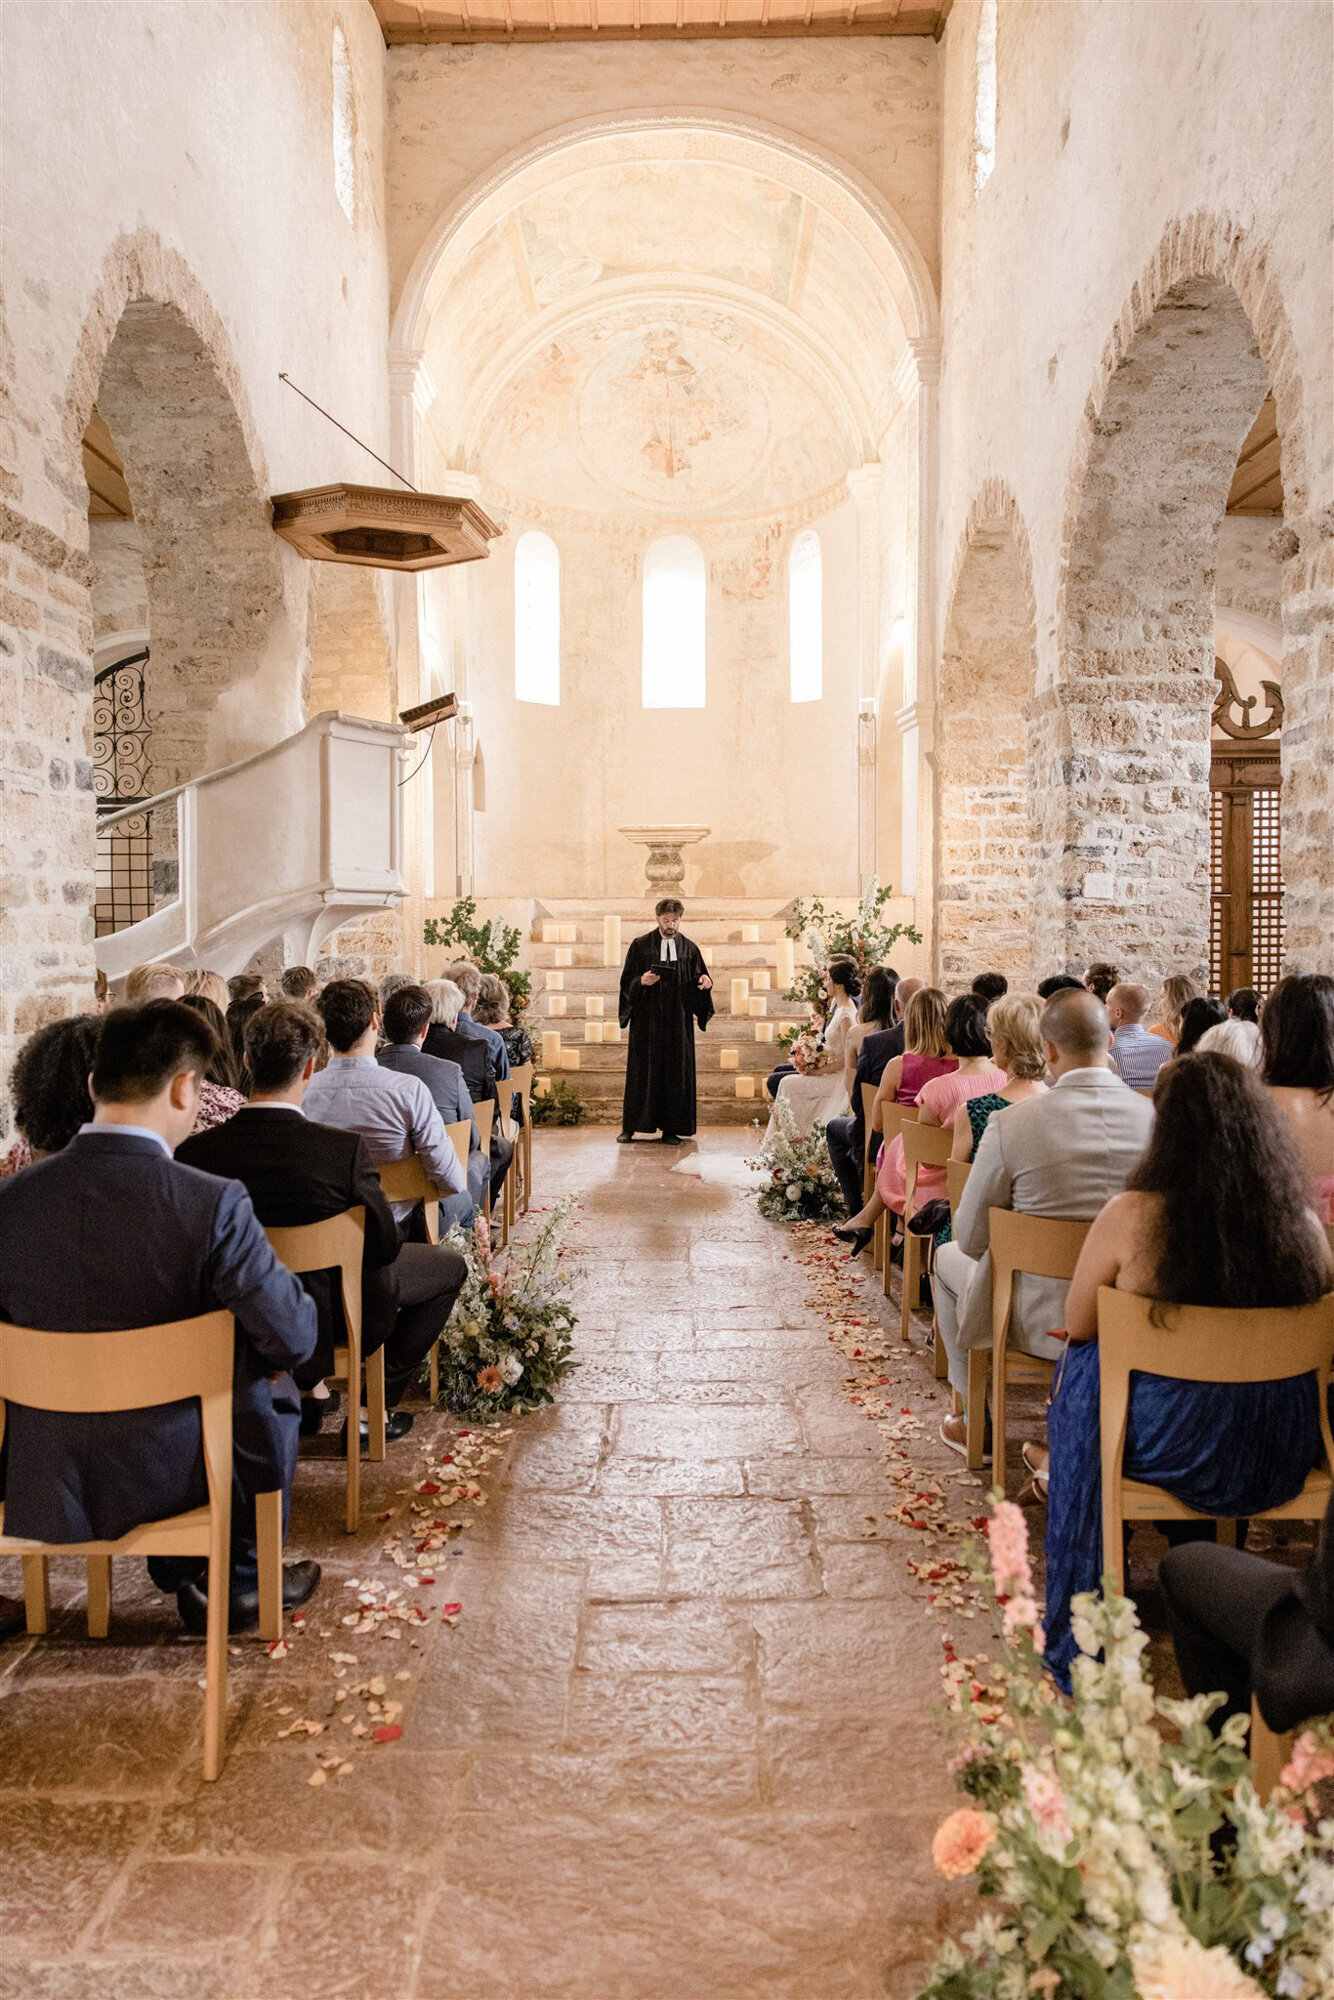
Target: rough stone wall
366 949
120 594
350 664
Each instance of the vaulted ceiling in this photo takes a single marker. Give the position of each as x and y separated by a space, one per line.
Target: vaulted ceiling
652 20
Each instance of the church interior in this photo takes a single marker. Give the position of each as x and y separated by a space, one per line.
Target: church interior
836 695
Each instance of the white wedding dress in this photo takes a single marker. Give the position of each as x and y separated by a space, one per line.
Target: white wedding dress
814 1100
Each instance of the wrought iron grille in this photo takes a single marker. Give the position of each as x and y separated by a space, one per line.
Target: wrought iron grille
127 860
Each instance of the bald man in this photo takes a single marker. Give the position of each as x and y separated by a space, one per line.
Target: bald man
1065 1154
1137 1055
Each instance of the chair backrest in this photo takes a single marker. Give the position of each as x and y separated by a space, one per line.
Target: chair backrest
460 1137
894 1117
868 1104
336 1244
923 1146
484 1112
1045 1246
1210 1344
522 1079
956 1177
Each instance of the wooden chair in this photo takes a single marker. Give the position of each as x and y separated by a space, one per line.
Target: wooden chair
522 1079
485 1114
868 1171
96 1373
956 1180
895 1117
1044 1246
923 1146
408 1180
1269 1753
1202 1344
339 1244
507 1092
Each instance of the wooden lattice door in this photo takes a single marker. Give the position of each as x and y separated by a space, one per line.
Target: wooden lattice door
1246 881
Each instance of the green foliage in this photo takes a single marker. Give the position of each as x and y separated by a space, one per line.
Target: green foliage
561 1105
494 946
801 1185
864 937
510 1336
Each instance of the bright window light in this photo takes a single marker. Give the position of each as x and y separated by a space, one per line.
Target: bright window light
984 102
674 594
537 619
344 128
805 617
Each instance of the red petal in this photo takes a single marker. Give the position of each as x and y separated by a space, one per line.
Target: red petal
390 1733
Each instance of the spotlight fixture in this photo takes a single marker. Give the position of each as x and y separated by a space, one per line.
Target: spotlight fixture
428 713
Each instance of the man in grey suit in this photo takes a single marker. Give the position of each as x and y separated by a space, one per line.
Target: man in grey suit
407 1016
1063 1154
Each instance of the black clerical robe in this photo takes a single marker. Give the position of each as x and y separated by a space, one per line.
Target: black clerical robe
660 1065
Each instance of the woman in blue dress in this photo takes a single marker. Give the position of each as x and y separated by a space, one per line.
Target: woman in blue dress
1215 1214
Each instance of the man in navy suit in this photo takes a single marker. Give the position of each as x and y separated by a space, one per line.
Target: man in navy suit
113 1233
407 1016
468 978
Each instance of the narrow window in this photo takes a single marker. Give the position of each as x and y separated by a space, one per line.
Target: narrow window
537 619
344 128
984 102
805 617
674 594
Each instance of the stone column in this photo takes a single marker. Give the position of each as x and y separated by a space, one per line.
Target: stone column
412 391
1306 550
916 380
864 484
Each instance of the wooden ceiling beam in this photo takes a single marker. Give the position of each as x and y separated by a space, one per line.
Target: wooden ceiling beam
920 21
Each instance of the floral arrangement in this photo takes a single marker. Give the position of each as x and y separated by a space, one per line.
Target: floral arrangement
1130 1866
800 1184
561 1105
494 946
867 938
510 1335
808 1053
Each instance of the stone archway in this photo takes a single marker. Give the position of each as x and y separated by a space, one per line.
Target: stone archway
988 664
1120 746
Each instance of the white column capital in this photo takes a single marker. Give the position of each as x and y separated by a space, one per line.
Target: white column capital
865 482
917 368
409 376
907 718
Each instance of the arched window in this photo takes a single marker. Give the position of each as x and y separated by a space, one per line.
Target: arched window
344 128
984 102
674 594
805 617
537 619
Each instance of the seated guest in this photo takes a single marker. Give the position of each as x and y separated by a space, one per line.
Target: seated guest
813 1098
406 1020
299 982
1137 1055
926 1055
238 1014
220 1095
245 986
1239 1035
1178 992
211 986
1297 1027
876 1022
1063 1154
1219 1149
1197 1017
473 1057
1060 982
1244 1626
394 1114
494 1010
392 983
112 1232
1101 978
101 991
990 986
297 1171
153 982
975 1074
468 978
1014 1029
49 1089
1243 1004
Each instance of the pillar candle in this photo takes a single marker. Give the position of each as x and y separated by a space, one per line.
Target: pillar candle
557 1004
611 940
564 956
740 995
542 1087
764 1031
555 982
745 1086
551 1049
750 933
594 1004
550 933
786 959
706 953
592 1031
760 979
569 1058
759 1004
568 933
611 1031
729 1059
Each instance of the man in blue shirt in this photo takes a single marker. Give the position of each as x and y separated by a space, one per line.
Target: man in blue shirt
407 1016
1137 1055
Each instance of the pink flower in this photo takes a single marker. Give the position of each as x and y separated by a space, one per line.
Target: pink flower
1046 1802
1007 1536
1310 1766
961 1841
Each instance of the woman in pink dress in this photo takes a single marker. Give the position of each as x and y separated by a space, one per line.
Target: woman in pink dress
974 1075
926 1058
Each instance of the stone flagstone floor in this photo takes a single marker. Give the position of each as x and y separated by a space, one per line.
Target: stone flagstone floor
683 1739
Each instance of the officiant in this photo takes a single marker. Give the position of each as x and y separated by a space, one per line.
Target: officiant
665 990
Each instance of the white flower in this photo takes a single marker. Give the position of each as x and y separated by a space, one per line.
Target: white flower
793 1192
1179 1968
512 1369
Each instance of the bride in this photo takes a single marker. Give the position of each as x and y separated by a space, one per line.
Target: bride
814 1100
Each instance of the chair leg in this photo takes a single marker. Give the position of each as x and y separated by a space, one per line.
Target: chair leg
911 1251
1227 1534
215 1683
375 1404
979 1364
37 1592
998 1387
1269 1753
940 1360
528 1162
269 1541
433 1378
352 1519
99 1596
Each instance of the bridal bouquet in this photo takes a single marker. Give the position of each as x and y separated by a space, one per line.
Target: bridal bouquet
867 938
808 1053
1128 1865
510 1335
800 1183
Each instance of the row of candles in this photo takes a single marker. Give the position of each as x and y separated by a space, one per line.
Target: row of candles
565 936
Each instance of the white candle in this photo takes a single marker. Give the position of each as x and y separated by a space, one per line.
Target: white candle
569 933
569 1058
542 1087
786 959
564 956
611 1031
759 1004
551 1049
611 940
550 933
555 982
592 1031
764 1031
740 995
556 1005
750 933
594 1004
760 979
729 1059
745 1086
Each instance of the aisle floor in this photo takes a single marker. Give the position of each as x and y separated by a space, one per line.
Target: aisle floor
683 1739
